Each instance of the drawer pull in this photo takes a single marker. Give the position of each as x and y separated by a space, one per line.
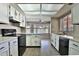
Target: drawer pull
75 45
2 48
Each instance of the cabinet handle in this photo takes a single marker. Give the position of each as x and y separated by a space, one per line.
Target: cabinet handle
2 48
75 45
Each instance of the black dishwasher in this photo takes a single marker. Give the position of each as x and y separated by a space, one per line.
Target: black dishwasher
63 46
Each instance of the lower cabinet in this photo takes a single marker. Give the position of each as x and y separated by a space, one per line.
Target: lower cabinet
33 40
55 41
14 47
4 49
72 51
9 47
73 48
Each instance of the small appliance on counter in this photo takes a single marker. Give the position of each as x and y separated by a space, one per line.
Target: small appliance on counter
8 32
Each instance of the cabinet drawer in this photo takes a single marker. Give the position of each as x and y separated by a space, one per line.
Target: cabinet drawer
72 51
14 42
74 44
3 46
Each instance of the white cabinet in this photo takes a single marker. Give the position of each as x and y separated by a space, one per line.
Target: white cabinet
22 19
4 13
14 46
57 42
13 14
33 40
53 42
75 13
73 48
28 41
4 49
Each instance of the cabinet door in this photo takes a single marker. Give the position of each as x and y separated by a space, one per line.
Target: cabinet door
28 40
17 16
57 42
33 40
21 18
5 53
12 11
73 48
37 42
75 14
4 49
14 47
72 51
23 21
54 40
4 13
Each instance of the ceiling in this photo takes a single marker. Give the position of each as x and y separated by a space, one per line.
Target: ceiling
41 9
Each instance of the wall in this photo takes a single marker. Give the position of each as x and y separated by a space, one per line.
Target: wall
54 25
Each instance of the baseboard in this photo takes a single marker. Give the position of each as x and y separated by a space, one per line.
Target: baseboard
33 46
22 46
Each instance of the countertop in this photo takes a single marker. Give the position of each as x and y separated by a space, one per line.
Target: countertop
5 39
70 38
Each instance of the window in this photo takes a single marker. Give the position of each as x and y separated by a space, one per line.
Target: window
66 23
37 28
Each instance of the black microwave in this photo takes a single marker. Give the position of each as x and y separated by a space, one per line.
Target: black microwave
8 32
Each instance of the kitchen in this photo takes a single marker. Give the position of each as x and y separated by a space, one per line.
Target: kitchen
39 29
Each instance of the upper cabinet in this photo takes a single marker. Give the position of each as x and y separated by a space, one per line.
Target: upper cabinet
75 14
22 20
4 13
13 14
16 15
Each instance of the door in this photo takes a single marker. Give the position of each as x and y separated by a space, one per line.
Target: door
53 39
37 41
4 13
4 49
4 52
28 40
14 47
73 51
57 42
